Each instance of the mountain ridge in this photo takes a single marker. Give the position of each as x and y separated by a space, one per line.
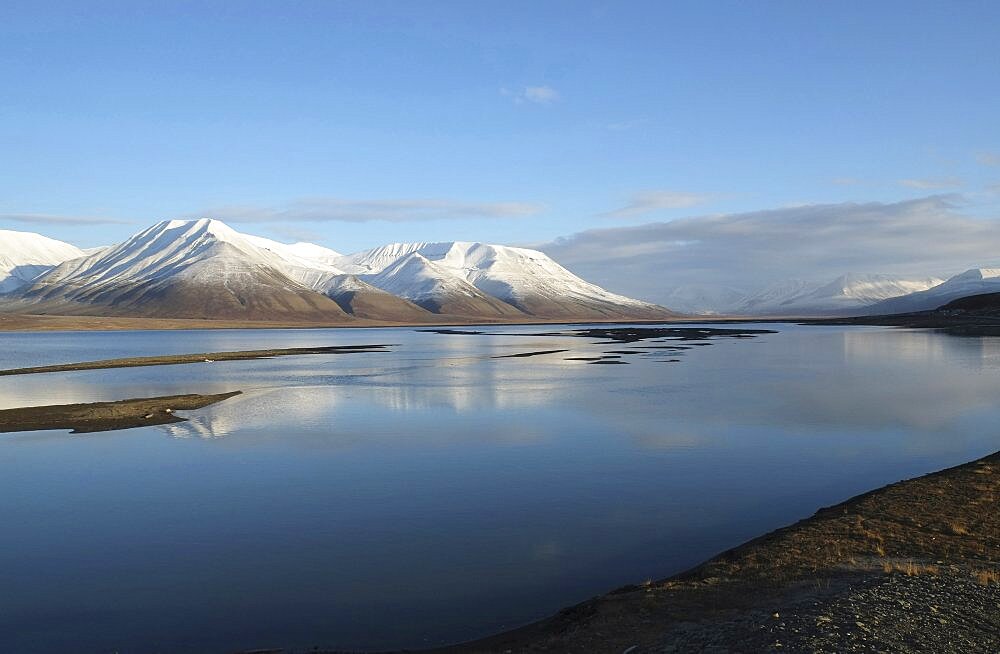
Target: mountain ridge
850 292
205 269
27 255
975 281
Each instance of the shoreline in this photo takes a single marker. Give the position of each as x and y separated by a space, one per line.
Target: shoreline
808 585
15 323
843 579
967 324
27 323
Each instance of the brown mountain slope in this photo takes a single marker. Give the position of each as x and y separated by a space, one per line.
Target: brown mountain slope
363 300
252 293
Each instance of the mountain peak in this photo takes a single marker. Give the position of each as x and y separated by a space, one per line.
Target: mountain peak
183 266
199 226
850 292
977 273
26 255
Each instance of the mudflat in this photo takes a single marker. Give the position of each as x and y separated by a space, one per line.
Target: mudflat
201 357
106 416
911 567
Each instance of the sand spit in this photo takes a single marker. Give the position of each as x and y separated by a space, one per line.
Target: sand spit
106 416
202 357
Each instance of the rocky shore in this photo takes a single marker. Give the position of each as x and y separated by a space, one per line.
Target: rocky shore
911 567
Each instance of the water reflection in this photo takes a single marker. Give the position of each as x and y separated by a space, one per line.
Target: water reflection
435 493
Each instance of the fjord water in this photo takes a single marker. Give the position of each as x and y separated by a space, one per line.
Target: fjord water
432 493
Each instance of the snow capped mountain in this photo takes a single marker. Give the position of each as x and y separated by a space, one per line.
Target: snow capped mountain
526 279
310 265
25 255
200 268
849 293
971 282
205 269
437 289
874 288
312 252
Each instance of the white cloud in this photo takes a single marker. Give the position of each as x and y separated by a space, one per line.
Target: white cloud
49 219
932 184
359 211
647 201
626 125
813 242
540 94
290 232
988 158
532 94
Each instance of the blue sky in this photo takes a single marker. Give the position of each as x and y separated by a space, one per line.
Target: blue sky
359 123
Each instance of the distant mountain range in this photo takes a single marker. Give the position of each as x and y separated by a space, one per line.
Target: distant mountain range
206 269
976 281
847 295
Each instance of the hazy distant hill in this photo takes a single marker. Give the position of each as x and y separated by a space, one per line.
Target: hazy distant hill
850 293
971 282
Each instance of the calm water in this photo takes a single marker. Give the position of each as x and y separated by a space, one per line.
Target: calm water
433 494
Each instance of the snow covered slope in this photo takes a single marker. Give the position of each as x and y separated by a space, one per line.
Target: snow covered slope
525 279
306 263
850 293
970 282
437 289
204 268
25 255
361 299
200 268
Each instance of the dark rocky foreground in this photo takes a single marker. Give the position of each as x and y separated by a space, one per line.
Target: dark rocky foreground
944 611
911 567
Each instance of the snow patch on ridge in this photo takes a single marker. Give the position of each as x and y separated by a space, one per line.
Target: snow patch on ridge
502 280
846 294
971 282
25 255
514 275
